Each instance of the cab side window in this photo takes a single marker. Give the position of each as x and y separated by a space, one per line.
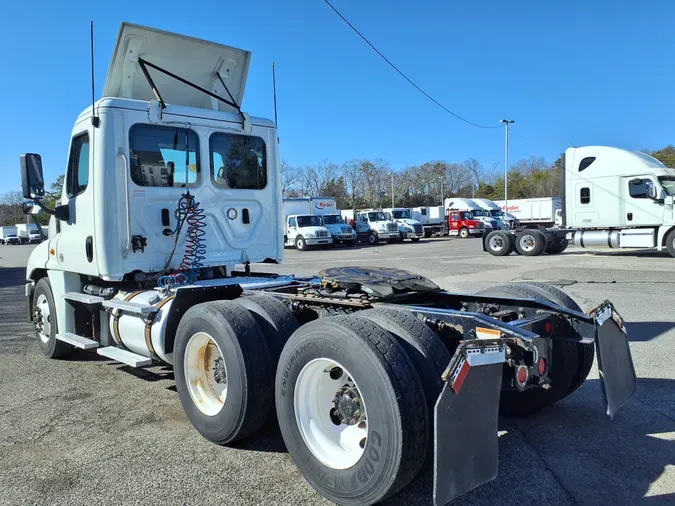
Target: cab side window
293 222
638 188
78 166
455 217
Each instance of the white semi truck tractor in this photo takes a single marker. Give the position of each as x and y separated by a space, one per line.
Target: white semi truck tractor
373 373
611 198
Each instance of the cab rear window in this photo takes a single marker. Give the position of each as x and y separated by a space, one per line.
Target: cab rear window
238 162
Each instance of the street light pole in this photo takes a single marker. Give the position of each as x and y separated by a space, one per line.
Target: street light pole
392 190
506 164
442 190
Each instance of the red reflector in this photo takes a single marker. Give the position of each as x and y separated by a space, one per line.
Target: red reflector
542 366
521 375
548 327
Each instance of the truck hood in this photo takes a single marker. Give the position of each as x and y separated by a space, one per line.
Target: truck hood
339 228
198 61
312 230
409 221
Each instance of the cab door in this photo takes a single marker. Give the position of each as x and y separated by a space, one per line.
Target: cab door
75 251
453 221
639 209
291 229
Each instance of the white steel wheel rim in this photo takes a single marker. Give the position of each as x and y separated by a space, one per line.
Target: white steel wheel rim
496 243
464 232
527 242
205 373
338 446
43 305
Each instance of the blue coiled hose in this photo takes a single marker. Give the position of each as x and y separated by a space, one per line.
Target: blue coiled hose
190 212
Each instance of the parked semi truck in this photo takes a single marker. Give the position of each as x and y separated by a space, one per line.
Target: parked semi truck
478 212
371 372
28 233
534 212
9 235
612 198
505 220
433 219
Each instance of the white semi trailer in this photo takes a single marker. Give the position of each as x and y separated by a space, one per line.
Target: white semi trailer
170 187
612 198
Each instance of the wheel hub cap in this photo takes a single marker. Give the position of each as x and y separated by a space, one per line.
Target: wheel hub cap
205 373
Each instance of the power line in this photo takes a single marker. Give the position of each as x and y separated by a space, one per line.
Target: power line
403 75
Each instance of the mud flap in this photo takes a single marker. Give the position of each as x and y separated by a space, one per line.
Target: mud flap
615 362
465 438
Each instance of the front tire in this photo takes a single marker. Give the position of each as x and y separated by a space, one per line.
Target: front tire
369 425
415 239
224 375
372 238
670 243
46 323
300 243
464 233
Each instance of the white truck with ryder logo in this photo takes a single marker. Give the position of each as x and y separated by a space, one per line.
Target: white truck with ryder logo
535 212
302 229
371 372
331 218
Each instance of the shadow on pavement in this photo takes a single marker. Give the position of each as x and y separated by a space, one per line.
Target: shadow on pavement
12 276
646 331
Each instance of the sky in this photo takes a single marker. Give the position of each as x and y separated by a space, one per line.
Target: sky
568 73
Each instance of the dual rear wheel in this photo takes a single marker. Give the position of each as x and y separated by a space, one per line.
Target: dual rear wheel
354 394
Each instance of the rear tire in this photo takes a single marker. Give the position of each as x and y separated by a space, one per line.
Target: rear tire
242 363
530 242
383 380
585 351
556 247
499 243
427 352
562 372
47 328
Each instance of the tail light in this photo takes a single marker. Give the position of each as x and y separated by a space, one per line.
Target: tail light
542 366
522 375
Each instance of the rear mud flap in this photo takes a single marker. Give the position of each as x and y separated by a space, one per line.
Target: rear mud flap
465 438
615 362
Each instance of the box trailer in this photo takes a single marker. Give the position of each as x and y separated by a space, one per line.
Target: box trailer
537 211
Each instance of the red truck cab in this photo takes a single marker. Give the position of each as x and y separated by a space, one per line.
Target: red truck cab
461 222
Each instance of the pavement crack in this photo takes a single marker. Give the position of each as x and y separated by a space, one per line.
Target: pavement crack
548 468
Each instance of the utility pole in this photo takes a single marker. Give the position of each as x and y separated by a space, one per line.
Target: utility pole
442 190
392 190
506 164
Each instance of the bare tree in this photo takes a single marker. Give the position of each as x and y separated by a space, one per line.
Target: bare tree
11 208
352 174
290 176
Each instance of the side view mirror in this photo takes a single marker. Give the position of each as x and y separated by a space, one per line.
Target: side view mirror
651 191
31 208
32 180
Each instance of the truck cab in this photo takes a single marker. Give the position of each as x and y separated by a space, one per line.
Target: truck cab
463 223
478 212
415 229
504 222
371 225
306 230
340 231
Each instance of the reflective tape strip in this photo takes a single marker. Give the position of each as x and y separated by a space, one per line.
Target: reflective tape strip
483 333
459 375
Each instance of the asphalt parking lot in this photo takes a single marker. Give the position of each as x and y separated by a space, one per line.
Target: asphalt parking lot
89 431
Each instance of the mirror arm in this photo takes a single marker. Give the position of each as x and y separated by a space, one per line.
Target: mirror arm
39 227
